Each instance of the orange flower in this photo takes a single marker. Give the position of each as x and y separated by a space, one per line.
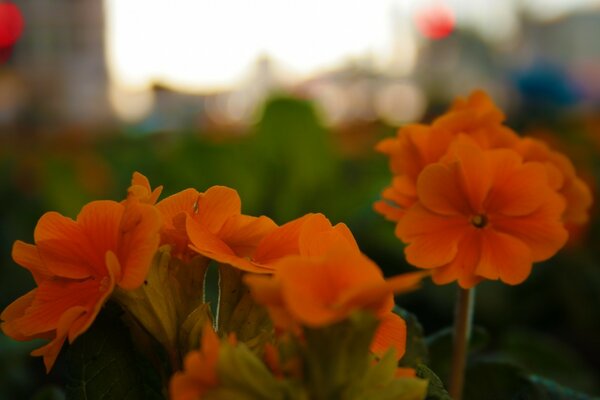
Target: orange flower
76 265
199 371
308 235
417 146
318 291
174 210
482 214
141 190
562 177
218 230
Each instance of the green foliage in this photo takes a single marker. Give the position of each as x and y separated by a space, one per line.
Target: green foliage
435 390
102 364
416 347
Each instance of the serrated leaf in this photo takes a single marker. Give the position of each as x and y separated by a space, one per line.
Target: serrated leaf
416 347
102 364
435 389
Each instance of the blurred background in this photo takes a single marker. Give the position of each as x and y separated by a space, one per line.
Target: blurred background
284 101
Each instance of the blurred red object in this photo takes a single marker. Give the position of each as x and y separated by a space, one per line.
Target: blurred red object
11 24
435 22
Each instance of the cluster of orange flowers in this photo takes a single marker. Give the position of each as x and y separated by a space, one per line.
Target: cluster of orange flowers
306 273
472 200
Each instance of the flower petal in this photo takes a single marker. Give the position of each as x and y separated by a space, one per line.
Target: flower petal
432 238
138 241
542 231
63 247
51 350
503 257
27 256
391 333
242 233
185 201
439 190
282 241
211 246
216 205
520 191
462 267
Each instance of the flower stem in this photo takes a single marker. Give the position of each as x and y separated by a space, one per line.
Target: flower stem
463 319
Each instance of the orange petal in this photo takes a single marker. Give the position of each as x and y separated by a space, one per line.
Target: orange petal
318 238
211 246
242 233
391 333
281 242
138 242
579 200
520 192
462 268
51 350
14 311
503 257
140 188
27 256
473 170
216 205
389 211
542 231
63 247
53 298
322 291
439 190
185 201
100 222
432 239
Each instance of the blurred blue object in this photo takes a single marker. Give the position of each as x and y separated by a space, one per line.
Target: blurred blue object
546 84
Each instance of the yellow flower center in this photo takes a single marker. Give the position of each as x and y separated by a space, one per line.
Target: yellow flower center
479 221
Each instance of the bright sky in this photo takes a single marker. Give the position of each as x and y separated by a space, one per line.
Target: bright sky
208 45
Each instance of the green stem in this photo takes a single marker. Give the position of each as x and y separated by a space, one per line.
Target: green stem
463 319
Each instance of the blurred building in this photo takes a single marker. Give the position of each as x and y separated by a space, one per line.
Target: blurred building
59 64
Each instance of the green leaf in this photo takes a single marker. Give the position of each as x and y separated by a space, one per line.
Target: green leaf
416 347
50 392
240 371
191 329
435 390
380 383
238 312
545 389
546 356
102 364
337 356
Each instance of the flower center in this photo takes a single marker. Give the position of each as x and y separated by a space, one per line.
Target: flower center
479 221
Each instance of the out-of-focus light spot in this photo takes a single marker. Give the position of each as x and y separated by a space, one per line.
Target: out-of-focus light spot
131 105
435 21
11 24
332 101
400 103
